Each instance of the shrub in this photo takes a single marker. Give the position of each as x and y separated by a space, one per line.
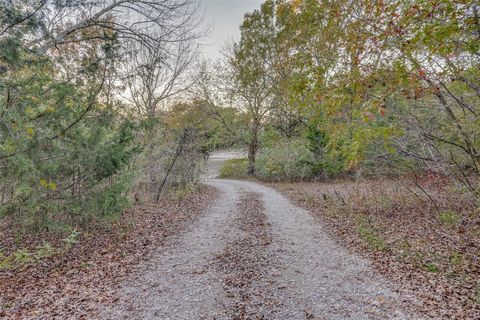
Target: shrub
71 240
290 160
184 190
234 168
24 256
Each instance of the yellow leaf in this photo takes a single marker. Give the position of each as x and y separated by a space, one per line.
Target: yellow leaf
30 111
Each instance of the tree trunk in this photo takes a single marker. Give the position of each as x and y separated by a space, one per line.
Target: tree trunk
252 150
178 153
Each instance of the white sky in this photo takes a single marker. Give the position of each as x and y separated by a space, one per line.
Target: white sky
224 18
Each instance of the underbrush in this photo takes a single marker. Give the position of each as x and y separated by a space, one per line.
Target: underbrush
286 161
431 248
68 274
20 248
234 168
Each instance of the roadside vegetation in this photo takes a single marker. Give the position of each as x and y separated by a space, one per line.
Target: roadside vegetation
97 113
93 130
367 111
79 277
433 254
234 169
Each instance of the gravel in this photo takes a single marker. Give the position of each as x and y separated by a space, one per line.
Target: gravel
301 273
316 278
178 282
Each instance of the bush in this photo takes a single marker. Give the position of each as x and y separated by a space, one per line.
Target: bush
234 168
290 160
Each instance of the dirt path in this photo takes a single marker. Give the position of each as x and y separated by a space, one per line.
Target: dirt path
254 255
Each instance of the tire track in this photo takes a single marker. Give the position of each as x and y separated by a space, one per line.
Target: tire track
245 265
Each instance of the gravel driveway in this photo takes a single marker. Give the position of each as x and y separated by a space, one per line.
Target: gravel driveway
254 255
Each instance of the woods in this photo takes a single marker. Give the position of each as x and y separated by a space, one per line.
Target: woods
108 106
369 87
82 85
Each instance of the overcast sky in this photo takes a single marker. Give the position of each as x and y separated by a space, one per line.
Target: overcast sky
224 18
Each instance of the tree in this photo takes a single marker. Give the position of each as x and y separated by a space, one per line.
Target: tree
153 78
251 82
150 23
439 68
66 141
392 81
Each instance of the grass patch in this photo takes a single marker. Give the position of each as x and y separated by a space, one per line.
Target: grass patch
456 259
431 267
449 218
373 240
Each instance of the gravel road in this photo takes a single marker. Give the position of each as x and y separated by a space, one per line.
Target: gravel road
254 255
